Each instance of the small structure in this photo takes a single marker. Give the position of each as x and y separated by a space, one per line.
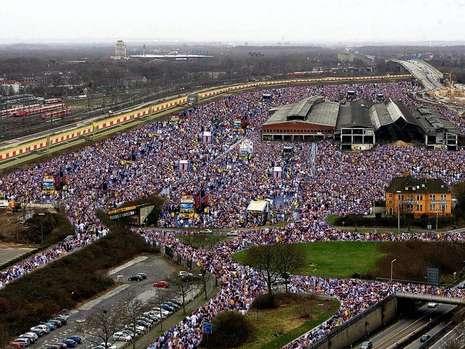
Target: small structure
206 137
246 149
183 166
267 96
418 196
277 172
258 209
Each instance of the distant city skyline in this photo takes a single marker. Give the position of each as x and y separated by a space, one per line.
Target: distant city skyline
317 21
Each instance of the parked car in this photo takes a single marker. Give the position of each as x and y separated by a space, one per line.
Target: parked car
425 338
57 323
175 302
142 275
49 325
17 345
27 342
41 330
135 278
366 345
161 284
163 312
168 307
77 339
185 274
33 336
70 343
122 336
174 305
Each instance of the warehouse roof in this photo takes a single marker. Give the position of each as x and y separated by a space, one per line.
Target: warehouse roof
354 114
312 110
431 123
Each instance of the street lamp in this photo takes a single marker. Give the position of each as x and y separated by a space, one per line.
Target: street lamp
41 215
398 210
392 265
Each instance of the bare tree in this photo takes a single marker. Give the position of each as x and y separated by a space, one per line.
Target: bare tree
274 261
184 285
133 310
103 323
263 259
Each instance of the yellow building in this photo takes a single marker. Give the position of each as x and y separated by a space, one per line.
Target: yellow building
418 196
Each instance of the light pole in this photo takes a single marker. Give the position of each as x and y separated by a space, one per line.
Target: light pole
392 266
398 211
41 215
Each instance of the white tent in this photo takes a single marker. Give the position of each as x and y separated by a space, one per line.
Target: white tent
258 206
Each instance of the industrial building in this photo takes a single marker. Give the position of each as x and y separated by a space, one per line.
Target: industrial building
359 125
310 119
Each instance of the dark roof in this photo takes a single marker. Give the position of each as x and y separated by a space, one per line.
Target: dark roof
354 114
432 123
417 185
312 110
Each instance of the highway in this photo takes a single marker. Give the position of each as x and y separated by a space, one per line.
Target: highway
400 331
429 76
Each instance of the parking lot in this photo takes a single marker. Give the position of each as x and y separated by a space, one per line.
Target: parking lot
155 267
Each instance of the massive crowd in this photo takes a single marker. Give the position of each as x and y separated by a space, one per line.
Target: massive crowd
317 180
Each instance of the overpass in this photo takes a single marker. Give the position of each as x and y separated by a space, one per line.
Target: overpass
429 76
17 151
431 298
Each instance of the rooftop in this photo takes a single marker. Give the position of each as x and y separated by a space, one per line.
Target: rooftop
417 185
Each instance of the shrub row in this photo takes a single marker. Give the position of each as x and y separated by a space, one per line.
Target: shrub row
68 281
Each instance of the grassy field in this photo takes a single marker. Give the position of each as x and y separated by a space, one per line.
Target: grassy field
294 316
345 259
337 259
202 240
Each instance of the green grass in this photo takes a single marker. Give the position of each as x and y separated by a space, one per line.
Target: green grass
202 240
339 259
295 316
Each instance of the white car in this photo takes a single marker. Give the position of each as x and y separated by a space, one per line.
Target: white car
121 336
163 312
185 274
432 305
30 335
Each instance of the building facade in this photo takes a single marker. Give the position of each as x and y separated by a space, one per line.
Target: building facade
419 197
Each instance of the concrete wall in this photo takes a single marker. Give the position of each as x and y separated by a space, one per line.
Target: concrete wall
361 326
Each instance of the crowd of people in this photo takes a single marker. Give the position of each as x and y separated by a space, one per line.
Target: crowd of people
317 180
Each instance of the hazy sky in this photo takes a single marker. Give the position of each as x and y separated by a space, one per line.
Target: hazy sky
232 20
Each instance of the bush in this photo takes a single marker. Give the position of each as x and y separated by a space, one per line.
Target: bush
54 226
230 329
265 301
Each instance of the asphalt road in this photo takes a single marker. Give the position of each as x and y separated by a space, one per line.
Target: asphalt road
155 266
404 327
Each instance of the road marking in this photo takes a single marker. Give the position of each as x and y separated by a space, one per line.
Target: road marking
89 305
128 264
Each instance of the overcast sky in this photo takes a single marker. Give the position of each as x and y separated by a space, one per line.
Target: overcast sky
233 20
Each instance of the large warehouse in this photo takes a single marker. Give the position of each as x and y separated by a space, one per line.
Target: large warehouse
359 125
310 119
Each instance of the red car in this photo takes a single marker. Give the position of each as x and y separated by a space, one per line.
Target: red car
161 284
